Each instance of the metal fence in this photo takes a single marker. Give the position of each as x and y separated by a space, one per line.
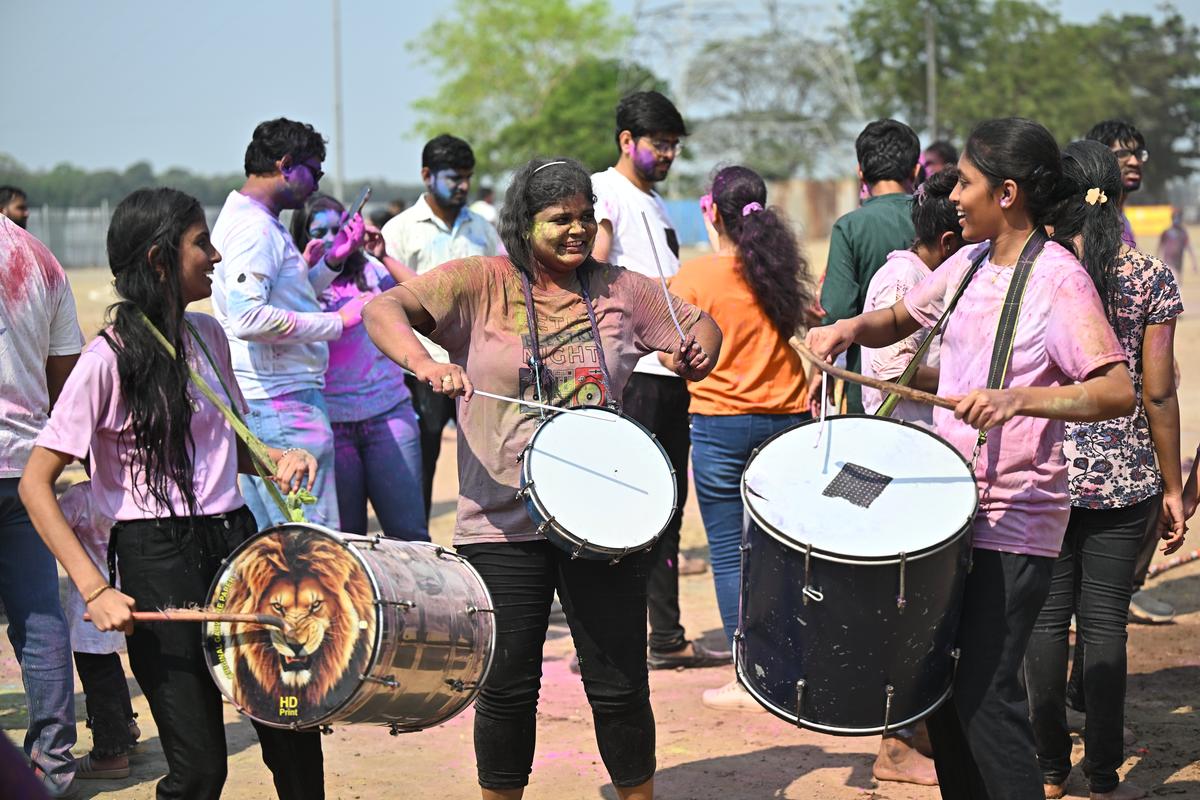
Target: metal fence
77 236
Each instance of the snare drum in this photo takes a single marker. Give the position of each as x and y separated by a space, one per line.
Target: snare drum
597 484
380 630
853 561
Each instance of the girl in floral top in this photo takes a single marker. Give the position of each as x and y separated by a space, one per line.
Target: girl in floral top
1116 487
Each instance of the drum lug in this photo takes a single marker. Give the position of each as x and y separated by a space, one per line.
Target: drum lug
387 680
887 709
901 602
541 529
744 547
809 592
520 456
801 685
523 492
579 549
325 729
624 553
477 610
405 604
442 552
459 685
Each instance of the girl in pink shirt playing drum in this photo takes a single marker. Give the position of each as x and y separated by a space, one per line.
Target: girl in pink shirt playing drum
1066 364
164 466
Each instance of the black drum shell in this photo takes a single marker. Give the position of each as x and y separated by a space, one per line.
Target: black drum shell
849 647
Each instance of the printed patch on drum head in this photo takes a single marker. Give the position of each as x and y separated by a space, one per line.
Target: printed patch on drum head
857 484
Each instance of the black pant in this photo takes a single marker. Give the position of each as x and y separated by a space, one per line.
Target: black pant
1093 580
109 709
605 606
982 740
660 403
171 563
433 412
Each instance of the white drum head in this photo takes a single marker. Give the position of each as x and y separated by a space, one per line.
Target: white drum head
602 478
871 489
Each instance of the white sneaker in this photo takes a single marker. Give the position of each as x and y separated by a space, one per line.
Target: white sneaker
730 697
1144 608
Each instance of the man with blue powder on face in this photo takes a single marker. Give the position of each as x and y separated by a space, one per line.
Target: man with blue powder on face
437 228
265 296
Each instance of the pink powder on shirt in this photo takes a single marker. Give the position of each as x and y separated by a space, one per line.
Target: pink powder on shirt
1062 337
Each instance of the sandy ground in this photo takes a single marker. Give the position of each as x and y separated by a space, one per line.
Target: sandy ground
701 753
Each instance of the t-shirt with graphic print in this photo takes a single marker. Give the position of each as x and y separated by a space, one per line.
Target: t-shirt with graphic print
1111 464
479 317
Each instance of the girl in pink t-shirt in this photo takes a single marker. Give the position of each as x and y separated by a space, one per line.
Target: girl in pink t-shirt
1066 364
164 466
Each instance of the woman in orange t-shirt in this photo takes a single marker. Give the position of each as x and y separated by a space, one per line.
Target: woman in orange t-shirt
756 287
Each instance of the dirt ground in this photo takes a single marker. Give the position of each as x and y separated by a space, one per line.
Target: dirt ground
701 753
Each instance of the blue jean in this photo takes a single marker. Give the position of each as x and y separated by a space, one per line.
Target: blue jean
37 629
721 446
380 458
295 419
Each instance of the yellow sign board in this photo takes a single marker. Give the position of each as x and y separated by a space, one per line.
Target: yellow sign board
1148 222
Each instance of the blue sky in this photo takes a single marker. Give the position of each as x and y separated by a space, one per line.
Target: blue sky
183 84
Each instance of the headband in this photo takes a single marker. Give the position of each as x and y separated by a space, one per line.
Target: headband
547 164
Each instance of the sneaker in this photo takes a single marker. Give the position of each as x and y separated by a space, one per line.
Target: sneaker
700 656
1145 609
731 697
88 768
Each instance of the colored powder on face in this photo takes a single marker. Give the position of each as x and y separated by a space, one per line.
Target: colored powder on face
645 159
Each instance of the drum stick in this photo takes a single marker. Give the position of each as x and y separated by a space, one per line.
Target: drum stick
202 615
531 404
883 386
662 278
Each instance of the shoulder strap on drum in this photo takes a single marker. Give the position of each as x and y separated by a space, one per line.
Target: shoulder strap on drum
889 403
259 455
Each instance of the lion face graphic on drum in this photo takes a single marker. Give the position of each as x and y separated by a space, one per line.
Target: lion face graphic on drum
322 591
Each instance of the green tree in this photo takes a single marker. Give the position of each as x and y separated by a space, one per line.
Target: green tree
576 117
502 61
1014 57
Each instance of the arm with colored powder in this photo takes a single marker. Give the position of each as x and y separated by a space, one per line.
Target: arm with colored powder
251 271
1105 393
876 329
1161 401
390 319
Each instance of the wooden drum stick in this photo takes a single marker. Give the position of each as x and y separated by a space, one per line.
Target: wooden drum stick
202 615
883 386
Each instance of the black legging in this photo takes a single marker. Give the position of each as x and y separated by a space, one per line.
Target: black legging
605 606
1093 579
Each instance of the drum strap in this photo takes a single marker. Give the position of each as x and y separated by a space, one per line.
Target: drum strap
1005 329
261 458
889 403
535 361
1006 326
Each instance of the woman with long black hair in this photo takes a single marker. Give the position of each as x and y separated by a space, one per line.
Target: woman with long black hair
164 466
583 318
757 288
1123 473
1064 364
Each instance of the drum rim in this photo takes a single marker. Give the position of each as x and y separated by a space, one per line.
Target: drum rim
328 717
834 730
567 536
828 555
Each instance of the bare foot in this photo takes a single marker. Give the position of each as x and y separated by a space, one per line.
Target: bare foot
899 761
920 739
1124 791
1055 790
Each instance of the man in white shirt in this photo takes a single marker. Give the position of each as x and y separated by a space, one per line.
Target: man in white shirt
435 229
485 204
649 129
265 296
39 345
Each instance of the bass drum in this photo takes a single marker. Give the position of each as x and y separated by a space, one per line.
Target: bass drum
379 630
854 555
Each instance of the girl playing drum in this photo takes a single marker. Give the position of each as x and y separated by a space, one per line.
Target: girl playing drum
1066 364
164 466
546 322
